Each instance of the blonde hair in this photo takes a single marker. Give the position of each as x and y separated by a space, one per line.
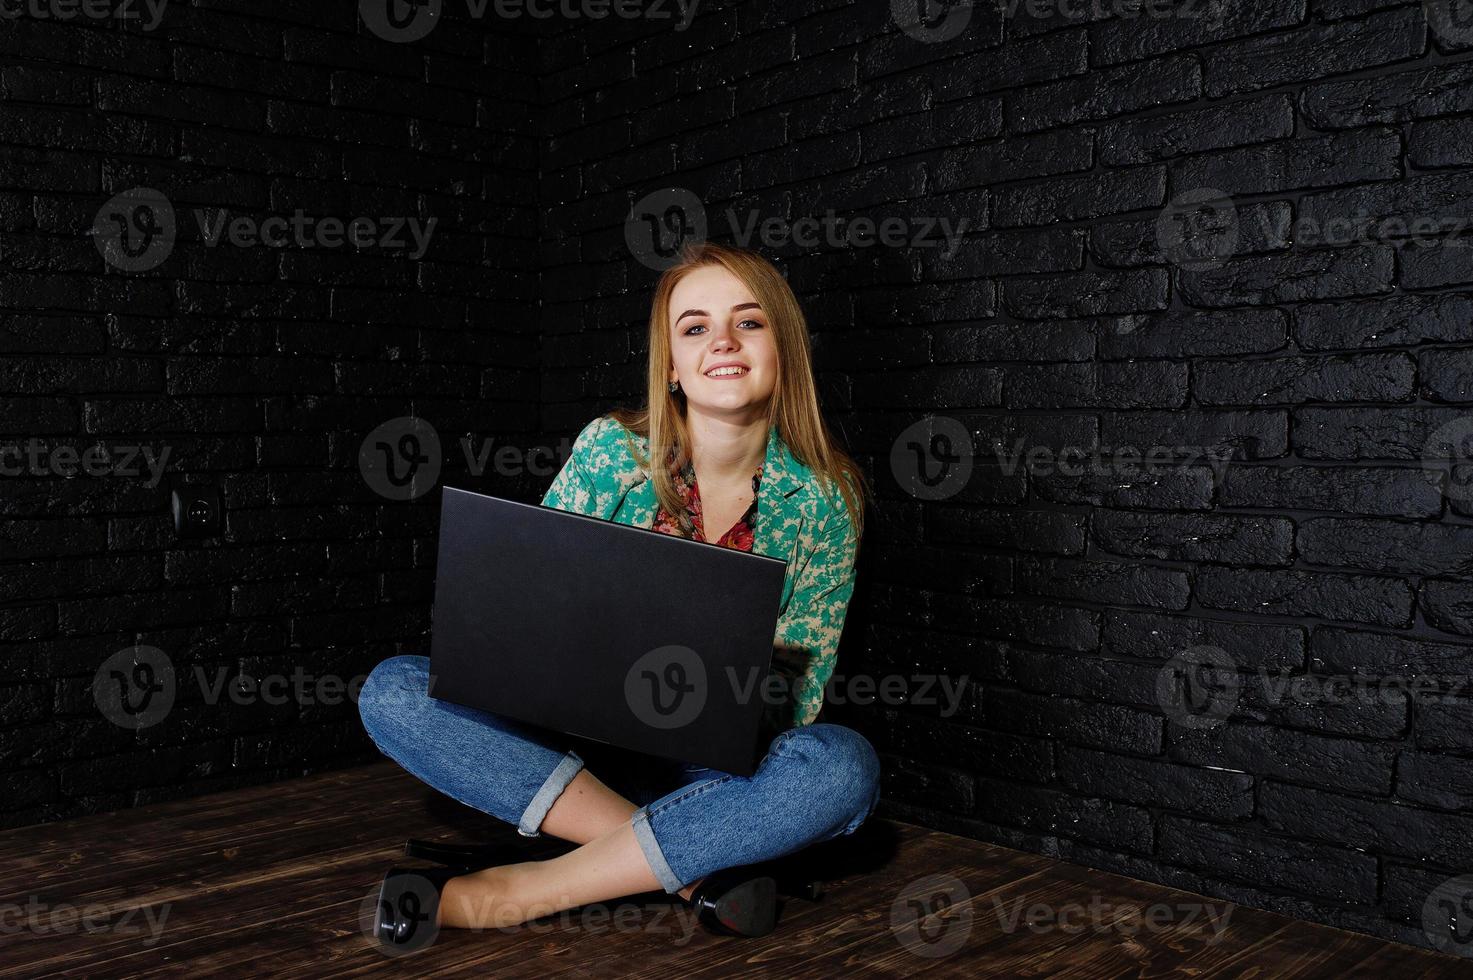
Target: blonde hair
793 407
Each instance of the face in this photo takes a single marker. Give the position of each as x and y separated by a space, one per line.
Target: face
722 345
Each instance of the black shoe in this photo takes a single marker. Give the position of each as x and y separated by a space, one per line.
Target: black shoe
736 902
408 905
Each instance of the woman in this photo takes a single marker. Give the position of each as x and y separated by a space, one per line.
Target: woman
732 409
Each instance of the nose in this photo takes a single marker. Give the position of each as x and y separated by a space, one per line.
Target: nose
723 339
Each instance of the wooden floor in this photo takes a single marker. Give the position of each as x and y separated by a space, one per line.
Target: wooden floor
276 880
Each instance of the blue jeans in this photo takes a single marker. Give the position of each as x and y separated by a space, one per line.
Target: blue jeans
816 782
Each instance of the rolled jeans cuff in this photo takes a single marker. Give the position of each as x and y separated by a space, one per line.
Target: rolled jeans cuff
552 788
652 853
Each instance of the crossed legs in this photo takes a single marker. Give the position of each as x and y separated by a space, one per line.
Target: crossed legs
609 865
816 782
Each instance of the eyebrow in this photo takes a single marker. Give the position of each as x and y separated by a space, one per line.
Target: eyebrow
735 309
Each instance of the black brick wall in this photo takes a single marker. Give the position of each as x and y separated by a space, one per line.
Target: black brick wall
1064 320
261 369
1322 547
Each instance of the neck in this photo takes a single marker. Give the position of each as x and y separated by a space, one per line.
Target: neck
725 451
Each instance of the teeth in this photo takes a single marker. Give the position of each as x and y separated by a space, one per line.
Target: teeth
723 372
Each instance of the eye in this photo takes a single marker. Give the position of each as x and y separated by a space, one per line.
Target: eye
691 329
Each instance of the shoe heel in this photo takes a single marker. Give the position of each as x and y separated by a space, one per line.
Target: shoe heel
747 908
408 903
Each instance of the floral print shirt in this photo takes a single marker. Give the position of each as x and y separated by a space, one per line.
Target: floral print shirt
692 524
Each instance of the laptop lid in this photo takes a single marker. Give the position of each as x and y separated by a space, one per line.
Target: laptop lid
625 635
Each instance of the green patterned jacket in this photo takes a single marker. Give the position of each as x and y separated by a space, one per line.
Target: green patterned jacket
796 522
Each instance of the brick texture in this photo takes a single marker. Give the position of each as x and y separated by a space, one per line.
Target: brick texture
1295 385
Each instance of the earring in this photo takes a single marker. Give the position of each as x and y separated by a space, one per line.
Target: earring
674 387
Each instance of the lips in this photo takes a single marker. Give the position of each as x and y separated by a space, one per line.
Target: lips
721 371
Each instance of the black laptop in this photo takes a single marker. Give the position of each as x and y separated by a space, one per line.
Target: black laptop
619 634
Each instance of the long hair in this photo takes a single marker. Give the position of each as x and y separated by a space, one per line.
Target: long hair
793 407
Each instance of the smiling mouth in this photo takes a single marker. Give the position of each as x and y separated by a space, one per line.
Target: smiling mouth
726 372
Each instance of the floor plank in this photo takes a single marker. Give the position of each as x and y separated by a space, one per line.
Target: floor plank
279 880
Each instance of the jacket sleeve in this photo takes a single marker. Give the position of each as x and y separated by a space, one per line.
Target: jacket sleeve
808 631
574 488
